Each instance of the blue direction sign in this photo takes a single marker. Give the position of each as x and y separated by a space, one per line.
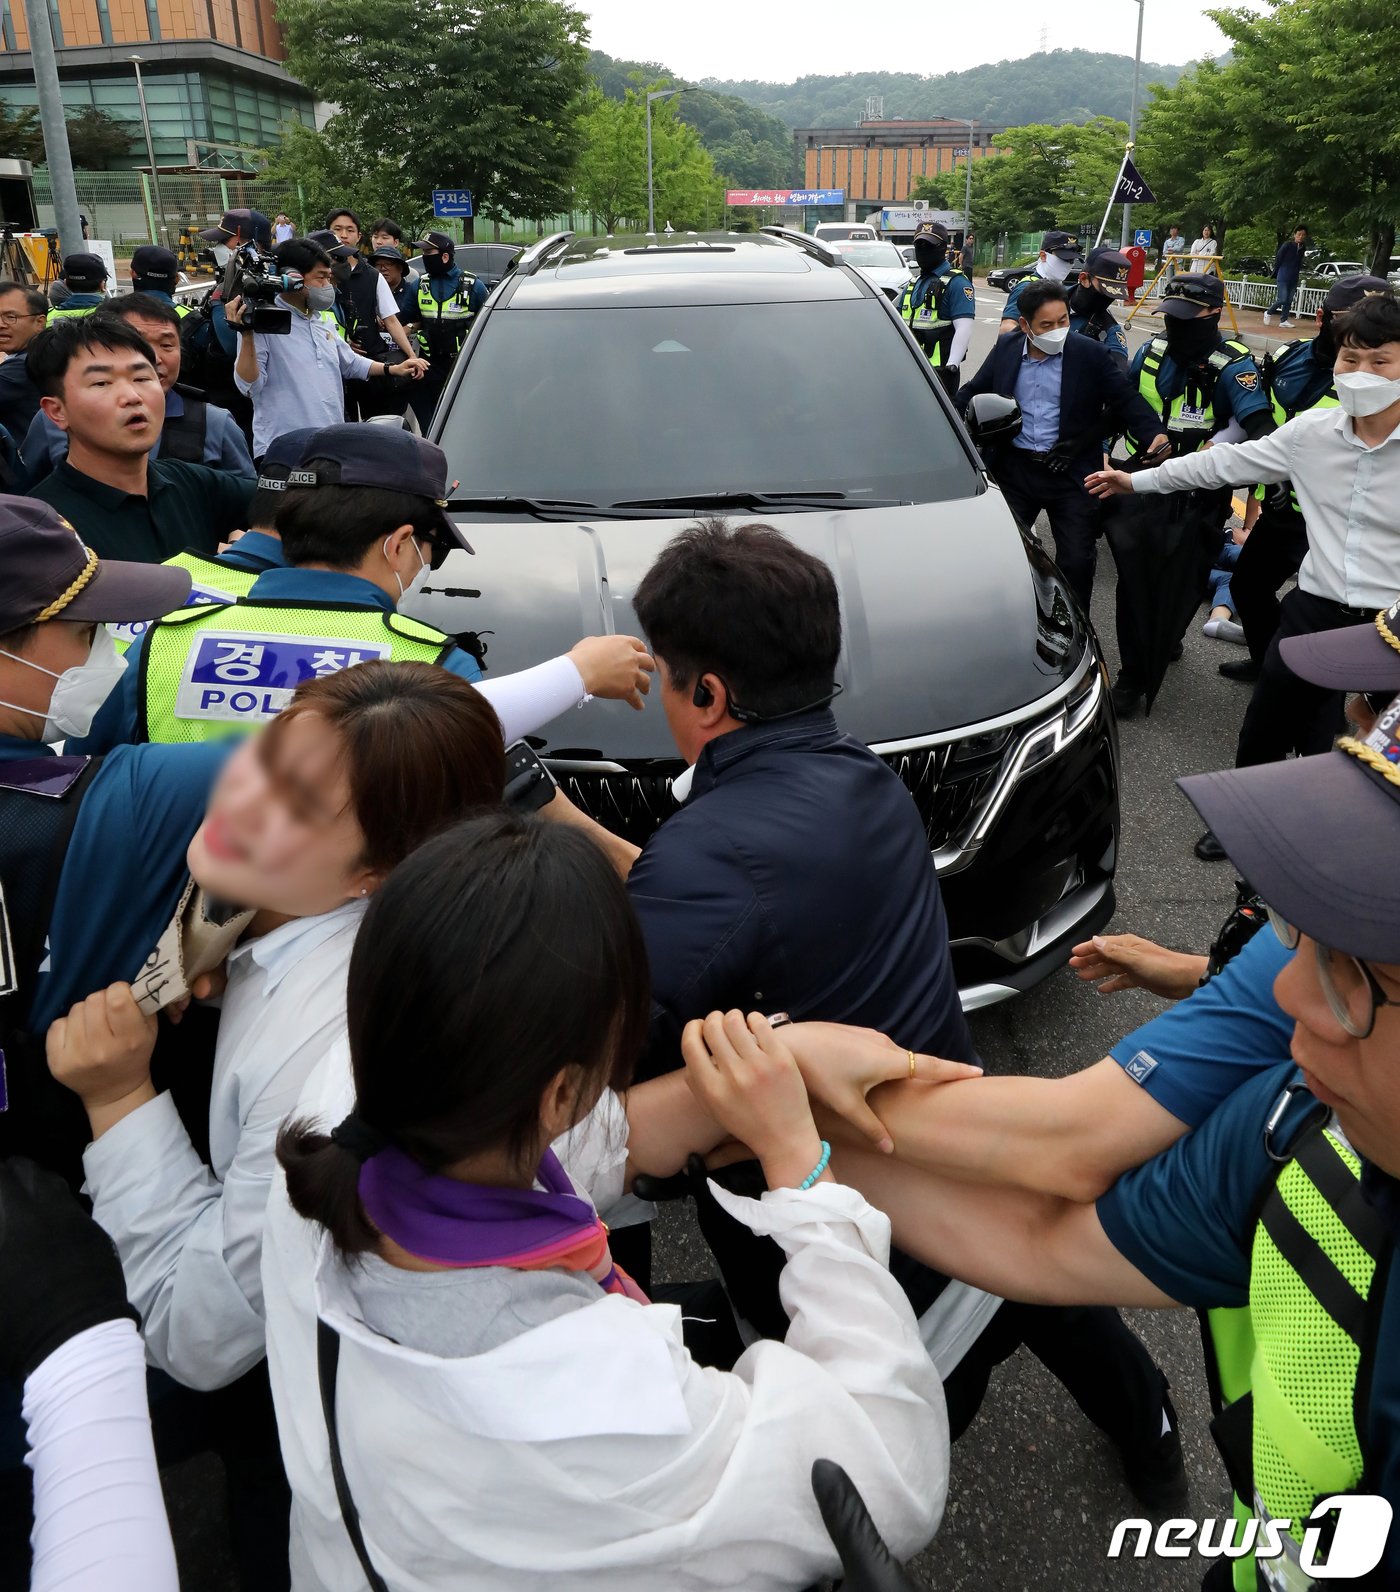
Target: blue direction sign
452 202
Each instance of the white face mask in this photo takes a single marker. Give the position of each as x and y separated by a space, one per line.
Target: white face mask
1050 342
1361 392
80 691
1054 269
424 570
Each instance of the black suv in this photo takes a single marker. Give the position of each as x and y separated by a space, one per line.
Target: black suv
613 391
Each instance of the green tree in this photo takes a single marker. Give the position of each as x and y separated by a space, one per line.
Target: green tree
96 140
476 94
939 190
20 135
1047 176
612 176
334 167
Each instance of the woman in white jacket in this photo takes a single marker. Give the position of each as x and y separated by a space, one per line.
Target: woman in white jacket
508 1409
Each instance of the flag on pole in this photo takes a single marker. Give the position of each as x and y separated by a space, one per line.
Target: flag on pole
1132 190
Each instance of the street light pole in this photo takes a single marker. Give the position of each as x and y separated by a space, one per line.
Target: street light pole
655 94
967 193
55 129
150 151
1132 122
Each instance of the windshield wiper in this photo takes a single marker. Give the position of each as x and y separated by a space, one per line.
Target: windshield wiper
745 499
542 508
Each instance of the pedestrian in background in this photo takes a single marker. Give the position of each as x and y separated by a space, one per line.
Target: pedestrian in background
1205 244
282 228
1288 266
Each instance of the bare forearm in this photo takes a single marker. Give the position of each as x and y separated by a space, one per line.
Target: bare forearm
621 853
247 363
1012 1242
665 1126
1070 1137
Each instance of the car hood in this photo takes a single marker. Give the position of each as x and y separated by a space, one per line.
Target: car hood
950 616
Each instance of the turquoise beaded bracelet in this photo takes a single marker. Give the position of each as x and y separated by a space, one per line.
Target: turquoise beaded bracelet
819 1168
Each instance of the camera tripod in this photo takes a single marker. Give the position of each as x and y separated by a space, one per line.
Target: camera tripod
16 264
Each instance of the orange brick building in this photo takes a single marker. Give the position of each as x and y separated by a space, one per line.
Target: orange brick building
879 162
212 68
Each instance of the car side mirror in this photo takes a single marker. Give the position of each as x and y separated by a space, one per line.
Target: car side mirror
992 420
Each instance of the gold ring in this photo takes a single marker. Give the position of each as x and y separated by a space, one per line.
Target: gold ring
911 1063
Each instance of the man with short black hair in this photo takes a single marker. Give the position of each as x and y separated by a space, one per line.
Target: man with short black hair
1288 266
297 380
23 314
100 384
195 431
1064 384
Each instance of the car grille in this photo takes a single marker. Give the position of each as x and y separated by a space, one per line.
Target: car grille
636 804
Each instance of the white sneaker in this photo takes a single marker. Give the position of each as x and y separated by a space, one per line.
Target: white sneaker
1288 325
1268 319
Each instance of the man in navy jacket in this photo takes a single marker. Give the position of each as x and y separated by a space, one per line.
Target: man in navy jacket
1072 395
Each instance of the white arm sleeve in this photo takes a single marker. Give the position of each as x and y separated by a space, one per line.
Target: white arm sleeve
527 701
1264 460
962 338
99 1516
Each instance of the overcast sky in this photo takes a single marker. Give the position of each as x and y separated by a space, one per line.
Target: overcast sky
783 39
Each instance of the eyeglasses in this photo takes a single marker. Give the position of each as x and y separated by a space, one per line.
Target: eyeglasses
9 317
1353 991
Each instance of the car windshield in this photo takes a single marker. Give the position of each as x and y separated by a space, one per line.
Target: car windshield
835 233
879 254
603 406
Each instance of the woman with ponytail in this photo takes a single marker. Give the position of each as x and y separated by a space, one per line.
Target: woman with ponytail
471 1392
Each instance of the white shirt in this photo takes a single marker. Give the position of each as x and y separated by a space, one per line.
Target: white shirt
1204 246
190 1235
1348 494
592 1452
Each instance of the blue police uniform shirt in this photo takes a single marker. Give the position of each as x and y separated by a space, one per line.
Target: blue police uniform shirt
1196 1054
125 865
1186 1220
443 288
1238 393
1300 381
117 720
254 551
1012 310
1114 339
959 298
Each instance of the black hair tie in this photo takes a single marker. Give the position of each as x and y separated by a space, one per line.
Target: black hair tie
358 1137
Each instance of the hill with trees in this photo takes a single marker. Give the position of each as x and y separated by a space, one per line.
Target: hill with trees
1056 86
749 147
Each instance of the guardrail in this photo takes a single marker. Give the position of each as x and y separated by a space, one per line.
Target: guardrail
1307 301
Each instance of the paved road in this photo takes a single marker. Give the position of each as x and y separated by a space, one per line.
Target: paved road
1035 1490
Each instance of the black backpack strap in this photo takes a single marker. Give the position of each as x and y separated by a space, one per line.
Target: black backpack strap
327 1374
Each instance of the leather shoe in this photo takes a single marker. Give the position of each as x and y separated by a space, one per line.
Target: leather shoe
1240 669
1208 848
1125 697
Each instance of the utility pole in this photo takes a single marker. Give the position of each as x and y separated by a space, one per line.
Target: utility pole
655 94
150 152
1127 233
967 193
55 128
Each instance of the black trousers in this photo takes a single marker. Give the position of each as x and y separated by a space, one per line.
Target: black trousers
376 395
1286 714
1271 555
1030 486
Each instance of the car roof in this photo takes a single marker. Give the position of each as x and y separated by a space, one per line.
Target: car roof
681 268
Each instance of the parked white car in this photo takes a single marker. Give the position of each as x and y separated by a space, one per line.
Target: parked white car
880 263
844 232
1335 268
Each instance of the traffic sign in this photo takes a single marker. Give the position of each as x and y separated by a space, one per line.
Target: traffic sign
450 202
1143 237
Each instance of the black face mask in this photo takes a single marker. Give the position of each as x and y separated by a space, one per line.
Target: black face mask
1324 349
1191 342
437 265
1087 300
930 255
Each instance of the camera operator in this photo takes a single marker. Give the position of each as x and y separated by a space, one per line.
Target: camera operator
296 379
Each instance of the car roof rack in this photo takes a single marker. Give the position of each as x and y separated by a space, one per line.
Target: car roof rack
809 245
538 253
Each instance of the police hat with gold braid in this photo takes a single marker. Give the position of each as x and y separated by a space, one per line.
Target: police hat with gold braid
1357 658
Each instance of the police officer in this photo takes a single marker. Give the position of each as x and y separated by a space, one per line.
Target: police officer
939 305
448 300
1202 386
1297 377
85 277
1099 286
1060 258
157 272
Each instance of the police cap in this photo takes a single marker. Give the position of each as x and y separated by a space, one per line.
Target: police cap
931 229
1108 265
48 572
155 267
438 242
332 245
1355 658
251 225
1192 292
1063 245
1349 292
371 455
84 273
